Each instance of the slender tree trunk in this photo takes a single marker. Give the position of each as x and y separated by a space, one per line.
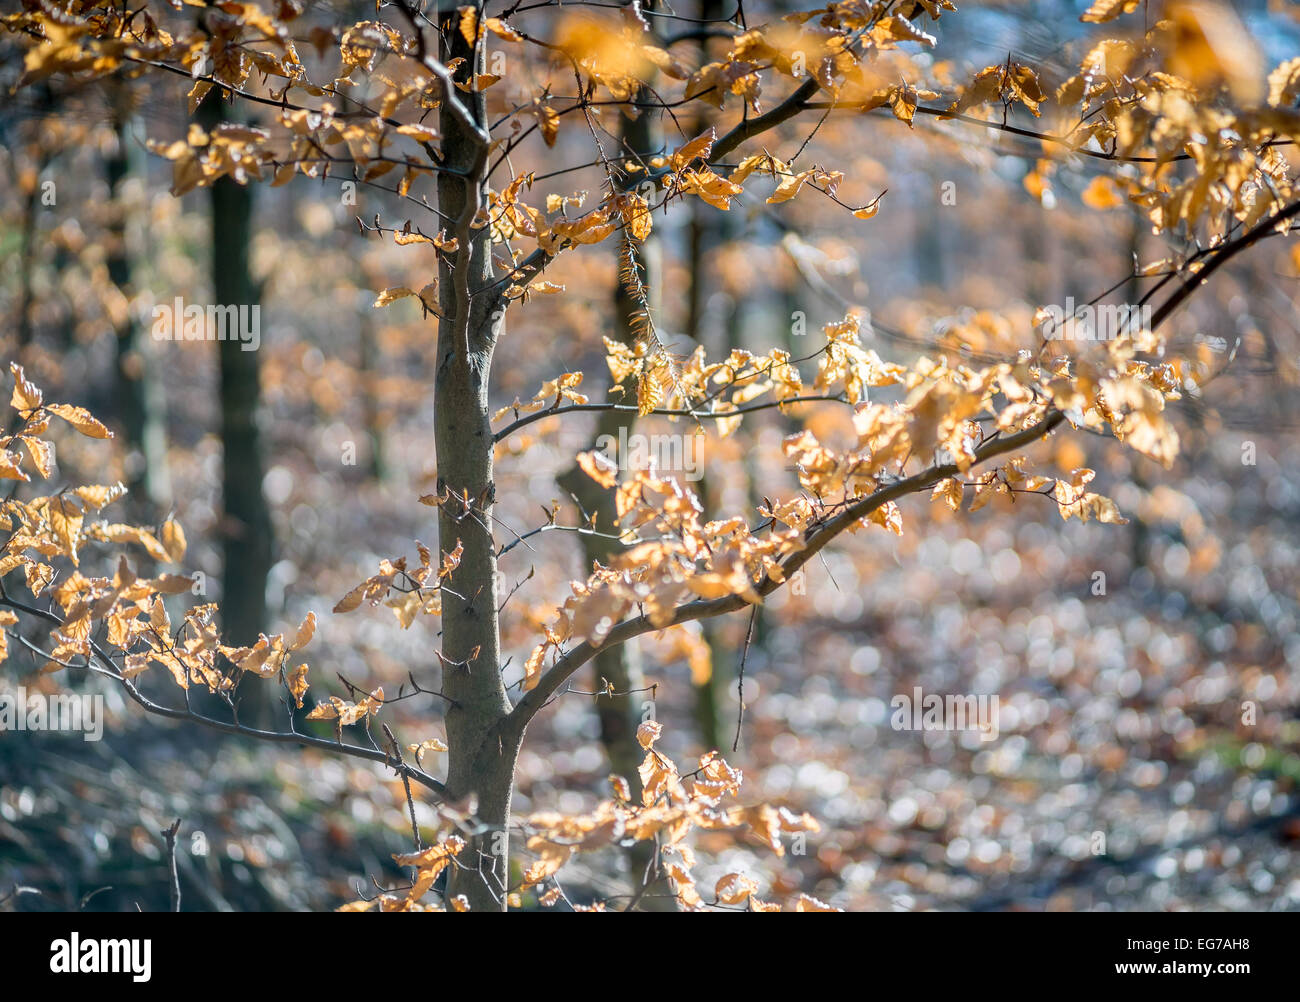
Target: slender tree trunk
27 257
479 764
138 393
1132 293
932 229
369 377
708 229
246 529
620 666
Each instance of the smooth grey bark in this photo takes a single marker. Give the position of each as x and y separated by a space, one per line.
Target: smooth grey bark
481 757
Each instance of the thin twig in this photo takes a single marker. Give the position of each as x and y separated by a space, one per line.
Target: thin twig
169 834
740 678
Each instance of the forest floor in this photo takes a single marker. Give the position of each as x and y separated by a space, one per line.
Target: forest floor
1126 773
1148 746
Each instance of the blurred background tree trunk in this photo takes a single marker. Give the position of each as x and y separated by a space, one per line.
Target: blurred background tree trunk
619 667
138 394
30 185
245 529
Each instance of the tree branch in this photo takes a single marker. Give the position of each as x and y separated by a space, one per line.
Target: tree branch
1220 257
528 419
537 261
110 670
752 127
818 537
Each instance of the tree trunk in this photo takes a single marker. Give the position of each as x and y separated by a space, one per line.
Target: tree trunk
138 393
479 764
246 529
369 380
709 230
28 256
620 666
1133 293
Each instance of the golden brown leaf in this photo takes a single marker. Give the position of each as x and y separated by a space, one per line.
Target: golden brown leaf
173 541
392 295
26 397
599 467
1108 10
81 419
699 147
